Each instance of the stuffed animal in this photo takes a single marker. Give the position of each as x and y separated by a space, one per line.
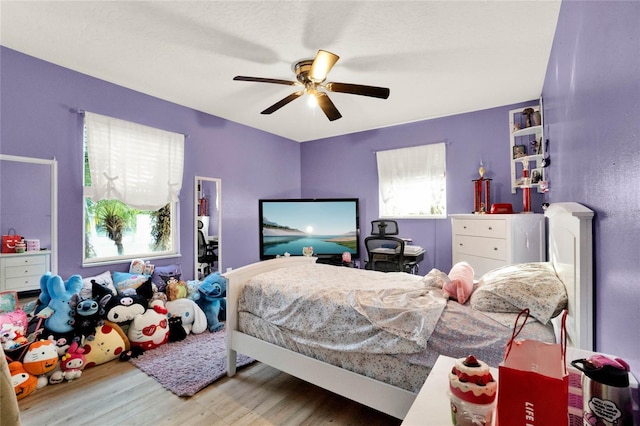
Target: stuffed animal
23 382
72 363
175 288
210 297
58 293
150 329
88 313
461 285
123 308
11 336
40 359
176 331
193 318
108 343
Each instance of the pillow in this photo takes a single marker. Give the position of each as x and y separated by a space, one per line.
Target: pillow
515 287
460 285
125 280
104 279
166 271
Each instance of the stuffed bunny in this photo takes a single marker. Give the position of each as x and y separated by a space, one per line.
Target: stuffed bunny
193 319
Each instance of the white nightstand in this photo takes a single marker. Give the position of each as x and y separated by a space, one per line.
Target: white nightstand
432 408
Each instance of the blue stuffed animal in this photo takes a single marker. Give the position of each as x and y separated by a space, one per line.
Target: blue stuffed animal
211 298
58 293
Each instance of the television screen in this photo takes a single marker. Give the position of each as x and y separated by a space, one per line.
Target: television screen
330 226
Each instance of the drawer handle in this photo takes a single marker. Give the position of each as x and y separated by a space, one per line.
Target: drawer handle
495 249
464 227
490 228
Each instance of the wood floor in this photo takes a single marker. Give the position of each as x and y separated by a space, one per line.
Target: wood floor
117 393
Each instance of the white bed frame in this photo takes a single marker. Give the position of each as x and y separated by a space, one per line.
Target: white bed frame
570 249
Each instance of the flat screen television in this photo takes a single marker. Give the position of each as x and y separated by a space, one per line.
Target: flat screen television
329 225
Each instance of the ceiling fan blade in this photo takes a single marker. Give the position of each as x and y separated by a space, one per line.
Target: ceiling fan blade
282 102
265 80
321 65
358 89
327 106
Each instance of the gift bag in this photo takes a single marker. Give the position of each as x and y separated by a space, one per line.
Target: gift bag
533 382
9 241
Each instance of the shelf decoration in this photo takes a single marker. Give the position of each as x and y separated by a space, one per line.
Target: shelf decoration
480 206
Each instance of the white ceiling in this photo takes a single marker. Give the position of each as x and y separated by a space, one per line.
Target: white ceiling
437 57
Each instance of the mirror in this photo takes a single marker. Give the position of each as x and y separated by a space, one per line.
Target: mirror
207 226
29 201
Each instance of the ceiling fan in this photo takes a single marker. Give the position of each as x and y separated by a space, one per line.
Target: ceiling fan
310 75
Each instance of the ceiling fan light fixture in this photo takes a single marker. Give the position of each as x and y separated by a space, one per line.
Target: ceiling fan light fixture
321 66
312 93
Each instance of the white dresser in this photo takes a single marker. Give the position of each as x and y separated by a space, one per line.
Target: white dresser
22 271
489 241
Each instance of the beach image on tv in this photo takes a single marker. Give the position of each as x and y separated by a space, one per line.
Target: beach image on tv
327 227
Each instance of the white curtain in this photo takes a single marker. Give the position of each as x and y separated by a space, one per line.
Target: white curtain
138 165
412 181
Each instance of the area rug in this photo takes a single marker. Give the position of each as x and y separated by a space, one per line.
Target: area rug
190 365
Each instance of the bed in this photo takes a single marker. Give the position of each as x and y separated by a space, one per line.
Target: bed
384 380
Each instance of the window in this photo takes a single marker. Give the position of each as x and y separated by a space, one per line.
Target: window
412 182
132 179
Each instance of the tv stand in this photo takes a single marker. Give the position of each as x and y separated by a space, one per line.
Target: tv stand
334 260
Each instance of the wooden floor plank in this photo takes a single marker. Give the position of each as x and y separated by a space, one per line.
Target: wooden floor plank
119 393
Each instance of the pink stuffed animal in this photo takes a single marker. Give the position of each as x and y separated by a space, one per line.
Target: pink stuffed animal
461 285
73 362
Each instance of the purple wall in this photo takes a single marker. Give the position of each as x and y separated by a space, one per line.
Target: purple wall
592 109
38 99
346 166
591 94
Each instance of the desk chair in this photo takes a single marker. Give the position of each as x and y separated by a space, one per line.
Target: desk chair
206 254
385 251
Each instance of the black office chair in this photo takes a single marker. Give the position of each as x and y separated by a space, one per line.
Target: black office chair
384 227
206 255
385 252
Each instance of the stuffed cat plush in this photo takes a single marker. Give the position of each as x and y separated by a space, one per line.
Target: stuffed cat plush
40 359
176 331
150 329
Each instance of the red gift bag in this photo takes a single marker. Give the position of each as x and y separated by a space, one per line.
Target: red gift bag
533 382
9 241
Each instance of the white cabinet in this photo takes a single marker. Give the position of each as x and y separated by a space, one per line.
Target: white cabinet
22 271
489 241
528 147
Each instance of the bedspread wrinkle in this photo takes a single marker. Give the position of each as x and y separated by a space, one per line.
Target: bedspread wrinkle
412 314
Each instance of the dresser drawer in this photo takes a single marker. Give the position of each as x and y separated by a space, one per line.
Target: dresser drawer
25 260
23 283
491 228
25 271
492 248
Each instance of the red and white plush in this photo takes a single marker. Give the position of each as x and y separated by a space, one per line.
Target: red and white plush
150 329
460 285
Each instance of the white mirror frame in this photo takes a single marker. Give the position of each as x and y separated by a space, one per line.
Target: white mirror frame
54 201
218 202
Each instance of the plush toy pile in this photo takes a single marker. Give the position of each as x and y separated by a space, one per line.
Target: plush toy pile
89 321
